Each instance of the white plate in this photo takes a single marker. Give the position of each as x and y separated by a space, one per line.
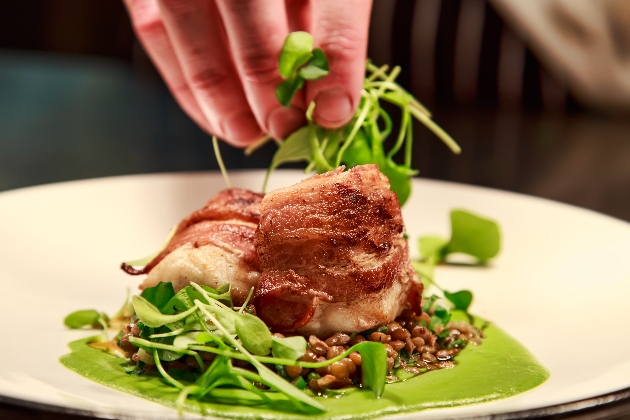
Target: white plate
561 285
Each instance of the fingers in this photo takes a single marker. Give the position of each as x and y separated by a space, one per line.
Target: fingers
195 30
256 31
150 30
340 28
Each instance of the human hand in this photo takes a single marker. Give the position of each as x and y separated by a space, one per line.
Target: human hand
219 58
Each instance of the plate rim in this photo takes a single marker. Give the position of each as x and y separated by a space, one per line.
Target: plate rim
574 408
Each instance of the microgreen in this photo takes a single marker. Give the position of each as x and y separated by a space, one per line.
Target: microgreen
362 140
474 235
299 62
82 318
159 295
290 348
471 234
198 319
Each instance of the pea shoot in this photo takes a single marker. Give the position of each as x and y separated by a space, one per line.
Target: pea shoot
362 140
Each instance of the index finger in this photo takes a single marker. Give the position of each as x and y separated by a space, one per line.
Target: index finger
256 31
340 28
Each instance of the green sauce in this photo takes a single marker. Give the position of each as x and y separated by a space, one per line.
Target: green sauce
499 368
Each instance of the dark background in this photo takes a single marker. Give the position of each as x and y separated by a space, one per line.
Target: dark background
80 99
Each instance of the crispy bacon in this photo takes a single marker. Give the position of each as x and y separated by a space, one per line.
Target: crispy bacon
212 246
332 254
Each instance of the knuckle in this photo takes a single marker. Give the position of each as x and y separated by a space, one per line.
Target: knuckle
342 44
149 27
208 80
146 19
258 66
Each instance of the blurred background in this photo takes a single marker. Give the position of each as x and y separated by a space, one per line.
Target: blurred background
536 95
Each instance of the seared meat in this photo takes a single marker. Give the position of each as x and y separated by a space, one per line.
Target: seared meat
332 255
212 246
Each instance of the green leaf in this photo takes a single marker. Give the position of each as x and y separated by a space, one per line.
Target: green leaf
359 152
429 303
297 147
169 355
296 51
288 348
442 314
152 317
474 235
81 318
159 295
373 366
253 333
424 269
267 376
183 340
433 246
287 89
316 67
399 179
461 299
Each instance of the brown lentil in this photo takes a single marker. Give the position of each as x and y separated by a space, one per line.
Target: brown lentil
380 337
338 339
390 364
356 358
409 346
322 370
417 341
401 334
397 345
293 371
418 331
429 358
318 347
443 355
358 338
334 351
339 370
309 356
350 364
390 351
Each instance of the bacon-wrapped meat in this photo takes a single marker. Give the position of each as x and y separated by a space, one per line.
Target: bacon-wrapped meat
212 246
332 255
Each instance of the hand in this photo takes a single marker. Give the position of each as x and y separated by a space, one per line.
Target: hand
219 58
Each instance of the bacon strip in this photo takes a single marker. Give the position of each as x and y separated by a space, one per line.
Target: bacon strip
230 206
333 242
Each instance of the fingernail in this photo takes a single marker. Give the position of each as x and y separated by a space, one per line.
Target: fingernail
241 129
284 121
333 108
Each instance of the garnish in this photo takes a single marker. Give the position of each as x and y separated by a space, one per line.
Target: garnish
200 319
299 62
472 235
362 140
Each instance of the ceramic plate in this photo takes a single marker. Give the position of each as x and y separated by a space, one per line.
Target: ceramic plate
561 285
